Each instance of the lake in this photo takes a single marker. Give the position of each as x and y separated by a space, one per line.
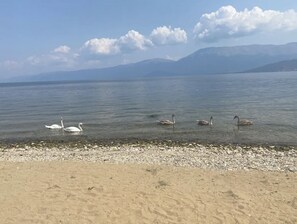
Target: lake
130 109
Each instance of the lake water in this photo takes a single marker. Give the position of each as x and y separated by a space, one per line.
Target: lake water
129 109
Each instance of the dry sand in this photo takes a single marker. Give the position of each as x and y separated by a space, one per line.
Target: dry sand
86 192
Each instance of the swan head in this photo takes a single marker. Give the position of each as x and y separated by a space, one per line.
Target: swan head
236 117
62 123
210 120
80 123
173 117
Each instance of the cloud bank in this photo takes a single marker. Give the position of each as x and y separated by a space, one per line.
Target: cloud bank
91 53
60 56
134 41
131 41
103 46
227 22
62 49
166 35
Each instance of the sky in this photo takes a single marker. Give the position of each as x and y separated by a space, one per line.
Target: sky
38 36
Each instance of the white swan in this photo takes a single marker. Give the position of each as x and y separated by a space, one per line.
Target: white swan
56 126
242 122
74 129
204 122
168 122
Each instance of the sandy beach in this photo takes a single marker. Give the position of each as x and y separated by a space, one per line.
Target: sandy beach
99 184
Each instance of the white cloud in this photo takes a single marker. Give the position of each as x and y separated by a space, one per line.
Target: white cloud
228 22
103 46
58 58
62 49
33 60
133 40
166 35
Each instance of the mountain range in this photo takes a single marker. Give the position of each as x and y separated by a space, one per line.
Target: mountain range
214 60
282 66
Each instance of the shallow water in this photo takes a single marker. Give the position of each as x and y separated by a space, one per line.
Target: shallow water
129 109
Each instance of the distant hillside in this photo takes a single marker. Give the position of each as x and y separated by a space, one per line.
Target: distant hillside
282 66
128 71
234 59
215 60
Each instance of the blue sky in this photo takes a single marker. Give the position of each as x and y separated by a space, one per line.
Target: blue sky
42 36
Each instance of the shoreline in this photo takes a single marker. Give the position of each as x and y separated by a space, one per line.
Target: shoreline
83 140
179 154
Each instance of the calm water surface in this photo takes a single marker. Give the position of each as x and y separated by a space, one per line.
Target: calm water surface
129 109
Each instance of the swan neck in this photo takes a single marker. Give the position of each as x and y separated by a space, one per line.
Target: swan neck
80 127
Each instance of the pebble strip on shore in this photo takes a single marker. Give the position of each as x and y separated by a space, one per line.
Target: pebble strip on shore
206 156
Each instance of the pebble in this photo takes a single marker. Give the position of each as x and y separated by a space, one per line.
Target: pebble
207 156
